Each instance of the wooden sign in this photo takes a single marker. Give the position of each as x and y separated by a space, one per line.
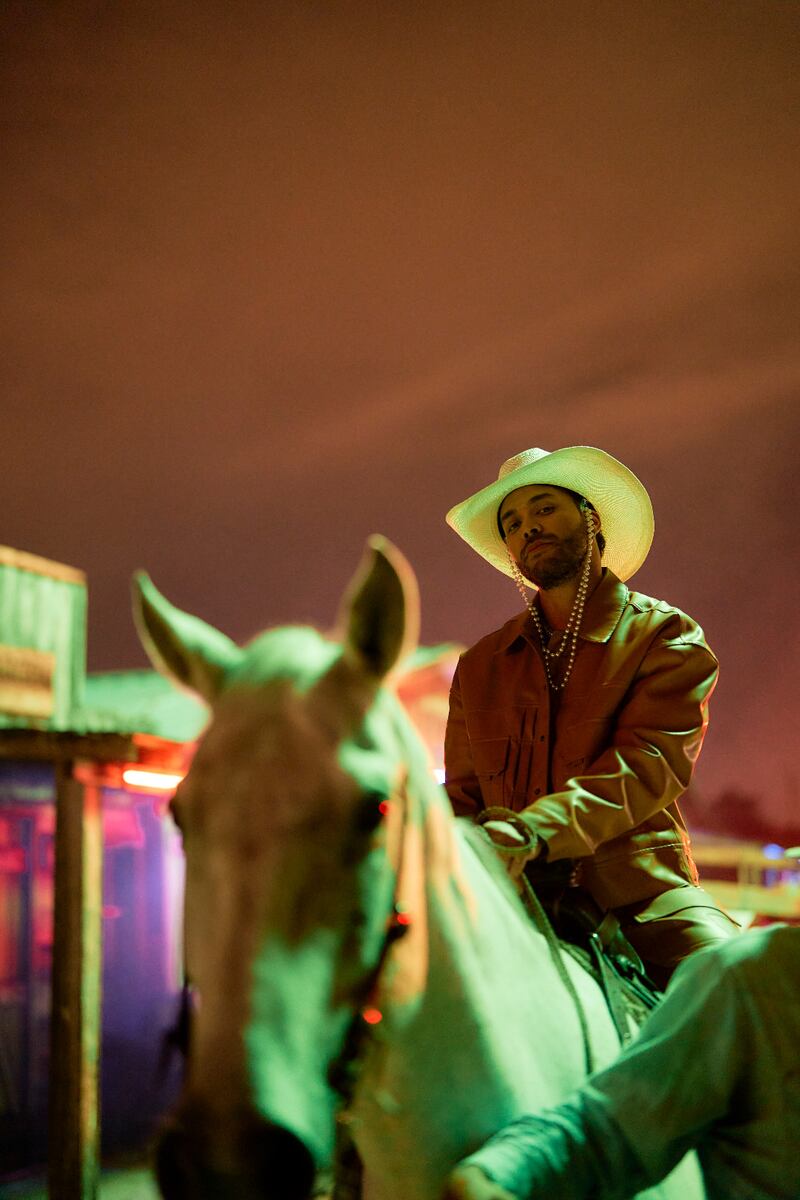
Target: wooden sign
26 681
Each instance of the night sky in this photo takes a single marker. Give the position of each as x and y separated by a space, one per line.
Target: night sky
277 276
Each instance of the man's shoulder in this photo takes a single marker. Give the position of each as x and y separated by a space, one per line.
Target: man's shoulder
651 604
673 622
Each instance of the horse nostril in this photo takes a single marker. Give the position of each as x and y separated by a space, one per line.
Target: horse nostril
282 1165
267 1163
176 1167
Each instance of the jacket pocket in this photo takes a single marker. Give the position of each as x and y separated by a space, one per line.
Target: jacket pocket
579 745
490 758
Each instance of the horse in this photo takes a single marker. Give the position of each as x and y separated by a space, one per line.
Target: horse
361 961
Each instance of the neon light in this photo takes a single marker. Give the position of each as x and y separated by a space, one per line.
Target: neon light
158 781
403 918
373 1016
383 807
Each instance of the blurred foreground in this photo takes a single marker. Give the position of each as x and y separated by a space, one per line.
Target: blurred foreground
130 1183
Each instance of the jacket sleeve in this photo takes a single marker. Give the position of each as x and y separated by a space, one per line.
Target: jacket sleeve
649 762
461 782
563 1153
629 1125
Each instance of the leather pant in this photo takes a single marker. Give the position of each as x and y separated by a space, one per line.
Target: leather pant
663 930
670 927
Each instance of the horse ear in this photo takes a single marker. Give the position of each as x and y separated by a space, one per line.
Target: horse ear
179 645
380 609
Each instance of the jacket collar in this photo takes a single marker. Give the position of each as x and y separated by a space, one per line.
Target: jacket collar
600 616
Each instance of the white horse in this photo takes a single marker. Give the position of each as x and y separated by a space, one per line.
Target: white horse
314 835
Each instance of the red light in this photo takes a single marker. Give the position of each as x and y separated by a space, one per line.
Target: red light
373 1016
383 807
403 918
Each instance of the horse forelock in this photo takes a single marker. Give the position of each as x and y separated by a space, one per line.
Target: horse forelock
269 811
275 792
299 653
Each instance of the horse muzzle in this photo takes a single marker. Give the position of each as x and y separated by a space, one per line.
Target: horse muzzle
246 1158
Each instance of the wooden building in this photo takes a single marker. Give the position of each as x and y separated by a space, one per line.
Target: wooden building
89 878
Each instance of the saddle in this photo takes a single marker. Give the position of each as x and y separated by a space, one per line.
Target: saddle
594 938
574 924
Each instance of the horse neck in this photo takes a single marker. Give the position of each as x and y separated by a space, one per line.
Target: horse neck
471 998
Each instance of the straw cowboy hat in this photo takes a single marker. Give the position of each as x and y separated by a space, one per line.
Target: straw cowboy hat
624 507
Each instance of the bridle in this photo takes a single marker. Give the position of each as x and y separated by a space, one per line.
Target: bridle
345 1070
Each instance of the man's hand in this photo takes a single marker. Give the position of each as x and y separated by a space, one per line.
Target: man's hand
470 1183
510 845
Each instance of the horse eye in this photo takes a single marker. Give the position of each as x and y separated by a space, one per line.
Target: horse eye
371 811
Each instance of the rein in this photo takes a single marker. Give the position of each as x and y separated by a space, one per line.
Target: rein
539 917
542 923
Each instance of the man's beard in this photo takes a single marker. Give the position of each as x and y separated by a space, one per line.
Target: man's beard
560 563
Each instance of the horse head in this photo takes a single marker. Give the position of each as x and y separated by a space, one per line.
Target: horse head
289 814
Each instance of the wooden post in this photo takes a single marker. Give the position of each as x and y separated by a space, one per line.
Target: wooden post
73 1125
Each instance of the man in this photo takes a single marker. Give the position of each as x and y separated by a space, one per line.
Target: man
574 729
716 1068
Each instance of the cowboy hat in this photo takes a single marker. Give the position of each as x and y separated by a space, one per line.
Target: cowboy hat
626 514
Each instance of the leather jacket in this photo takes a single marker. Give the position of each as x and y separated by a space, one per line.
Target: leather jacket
595 771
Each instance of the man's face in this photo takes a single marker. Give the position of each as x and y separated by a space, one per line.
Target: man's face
545 533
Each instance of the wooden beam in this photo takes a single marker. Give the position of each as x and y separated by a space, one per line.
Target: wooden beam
73 1124
39 745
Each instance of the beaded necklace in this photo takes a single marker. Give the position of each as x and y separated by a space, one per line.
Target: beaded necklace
575 617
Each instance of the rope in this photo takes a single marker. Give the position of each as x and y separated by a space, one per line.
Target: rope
539 916
542 923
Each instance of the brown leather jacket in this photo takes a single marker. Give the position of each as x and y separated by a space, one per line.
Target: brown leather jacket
595 771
